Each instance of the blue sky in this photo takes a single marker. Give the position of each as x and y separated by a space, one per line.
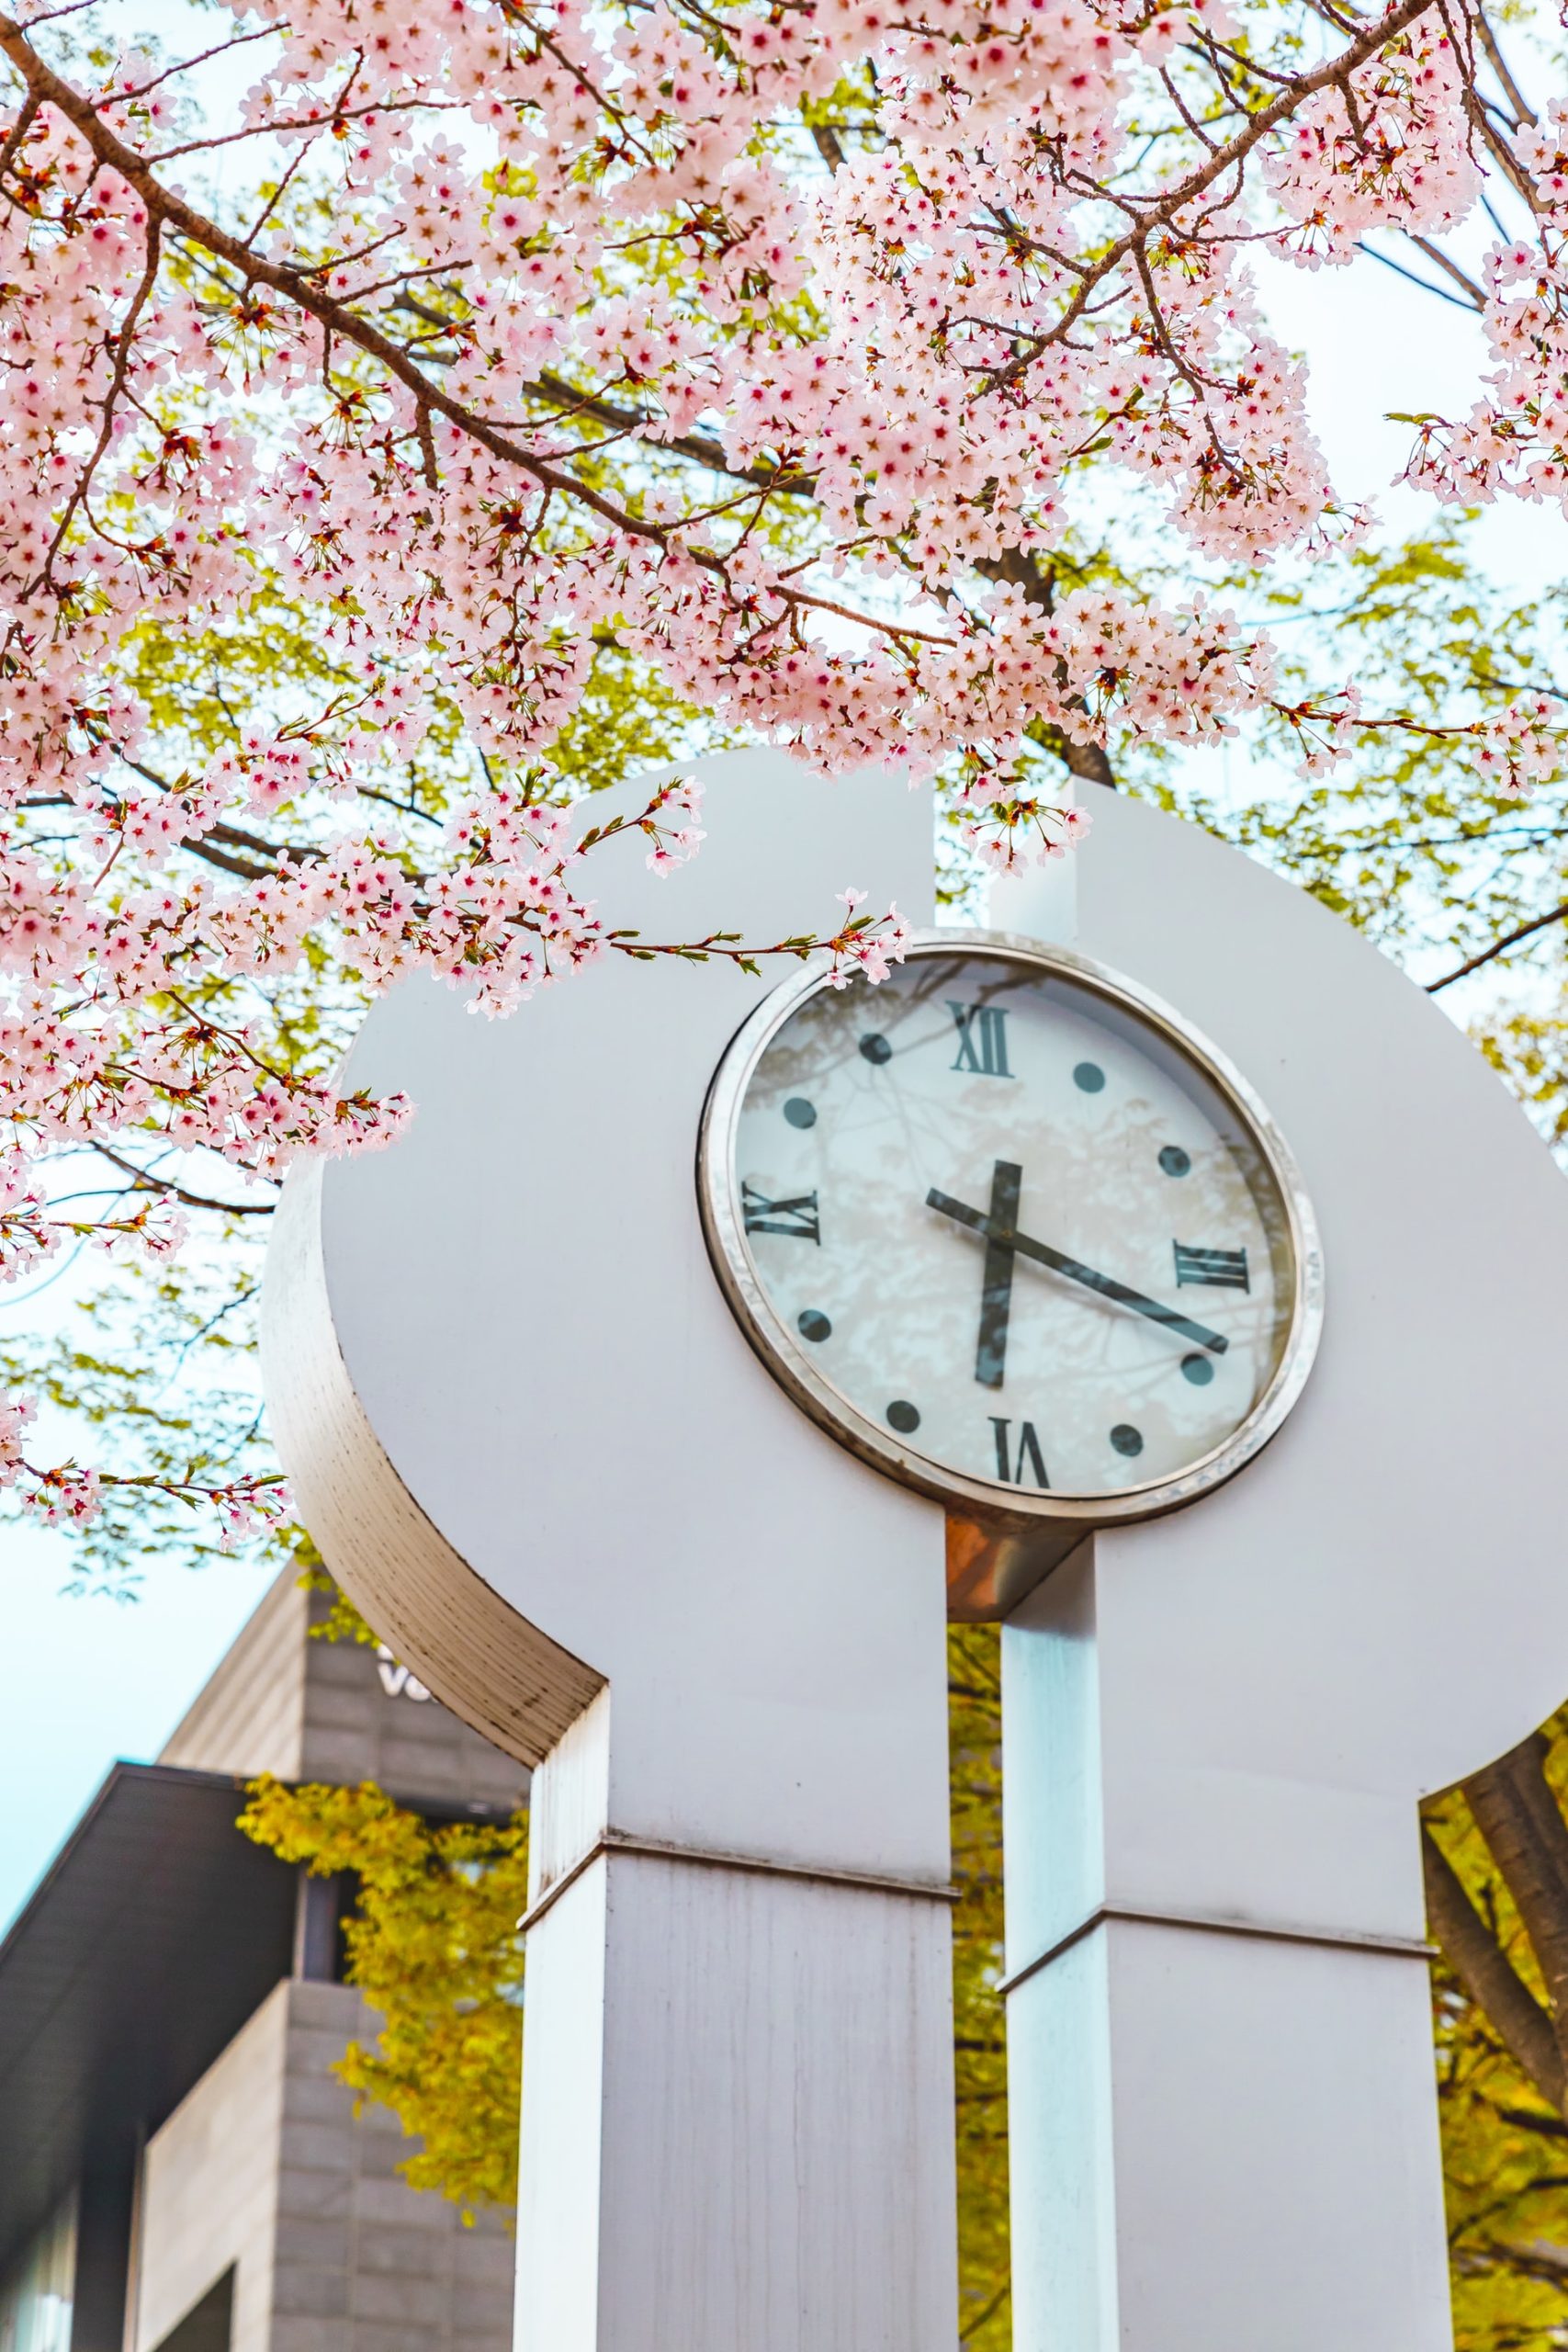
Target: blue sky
87 1679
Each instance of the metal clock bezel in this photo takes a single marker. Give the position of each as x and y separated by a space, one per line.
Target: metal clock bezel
781 1351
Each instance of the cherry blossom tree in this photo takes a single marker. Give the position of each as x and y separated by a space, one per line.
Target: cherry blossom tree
759 349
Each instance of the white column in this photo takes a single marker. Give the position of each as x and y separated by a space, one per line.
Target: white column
738 2121
527 1433
1223 2124
1218 1725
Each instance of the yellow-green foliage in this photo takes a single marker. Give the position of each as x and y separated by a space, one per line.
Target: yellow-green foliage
974 1717
433 1946
1504 2150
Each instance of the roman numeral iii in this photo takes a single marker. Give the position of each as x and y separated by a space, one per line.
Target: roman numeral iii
1224 1269
1027 1457
982 1039
798 1216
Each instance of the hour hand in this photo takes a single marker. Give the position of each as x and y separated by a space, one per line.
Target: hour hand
1074 1270
996 1283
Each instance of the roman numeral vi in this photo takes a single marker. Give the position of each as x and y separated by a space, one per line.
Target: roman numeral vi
798 1216
1028 1455
1224 1269
982 1039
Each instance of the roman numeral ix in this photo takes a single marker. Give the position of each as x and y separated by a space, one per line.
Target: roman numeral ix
1222 1269
982 1039
798 1216
1028 1455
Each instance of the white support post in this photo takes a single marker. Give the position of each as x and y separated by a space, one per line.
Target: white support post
768 2161
1216 2116
1218 1725
546 1463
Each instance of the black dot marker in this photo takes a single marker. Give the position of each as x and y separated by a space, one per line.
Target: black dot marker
1089 1078
1198 1370
1126 1438
799 1112
1173 1160
902 1416
876 1048
813 1324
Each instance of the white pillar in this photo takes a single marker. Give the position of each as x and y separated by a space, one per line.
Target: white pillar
1224 2107
768 2159
528 1435
1218 1725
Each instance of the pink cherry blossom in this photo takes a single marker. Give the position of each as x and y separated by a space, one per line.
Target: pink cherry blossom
764 341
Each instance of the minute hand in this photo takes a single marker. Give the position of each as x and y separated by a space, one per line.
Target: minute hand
1091 1277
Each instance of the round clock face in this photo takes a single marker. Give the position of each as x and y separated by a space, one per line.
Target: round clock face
1010 1230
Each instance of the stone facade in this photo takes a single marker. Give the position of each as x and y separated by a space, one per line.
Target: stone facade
264 2192
265 2172
312 1709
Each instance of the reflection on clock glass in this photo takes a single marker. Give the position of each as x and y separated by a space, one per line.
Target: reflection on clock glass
1013 1225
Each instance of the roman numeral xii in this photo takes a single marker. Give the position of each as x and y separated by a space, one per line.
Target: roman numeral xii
982 1039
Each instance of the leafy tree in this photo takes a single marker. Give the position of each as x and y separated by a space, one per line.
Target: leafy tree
373 439
433 1944
1496 1853
342 565
975 1716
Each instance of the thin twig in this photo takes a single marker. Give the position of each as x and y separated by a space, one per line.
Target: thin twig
1498 947
144 1181
1412 276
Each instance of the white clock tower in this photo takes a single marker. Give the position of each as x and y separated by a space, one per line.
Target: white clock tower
705 1340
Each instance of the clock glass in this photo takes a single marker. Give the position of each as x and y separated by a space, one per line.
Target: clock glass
1007 1224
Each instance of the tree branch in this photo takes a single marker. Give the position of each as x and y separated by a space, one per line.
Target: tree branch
143 1181
48 88
1523 110
700 447
1489 1976
1412 276
1498 947
1090 762
1475 292
1518 1817
827 144
1198 182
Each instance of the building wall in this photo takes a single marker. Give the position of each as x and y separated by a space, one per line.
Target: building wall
395 2271
366 1719
208 2196
265 2167
337 1712
249 1716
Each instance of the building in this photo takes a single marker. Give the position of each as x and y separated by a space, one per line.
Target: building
180 2171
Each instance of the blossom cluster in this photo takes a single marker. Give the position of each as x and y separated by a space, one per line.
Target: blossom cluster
1515 440
392 400
762 340
1389 146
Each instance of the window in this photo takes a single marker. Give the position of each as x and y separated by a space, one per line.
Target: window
35 2295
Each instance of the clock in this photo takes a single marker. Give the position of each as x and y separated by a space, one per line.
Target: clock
1008 1228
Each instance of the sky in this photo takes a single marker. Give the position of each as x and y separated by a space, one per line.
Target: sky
90 1678
85 1680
